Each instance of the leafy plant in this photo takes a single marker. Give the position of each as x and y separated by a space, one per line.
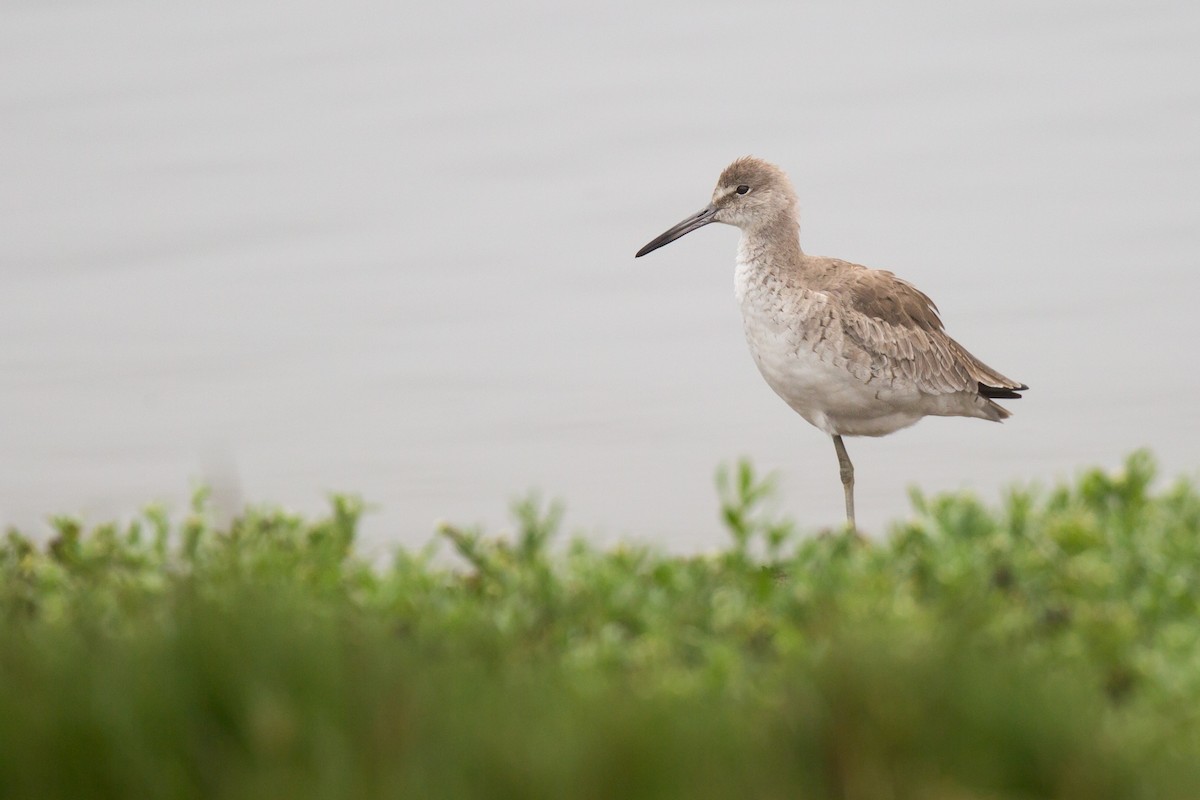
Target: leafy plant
1046 648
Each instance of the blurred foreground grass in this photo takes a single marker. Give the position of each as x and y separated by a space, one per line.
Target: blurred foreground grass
1048 648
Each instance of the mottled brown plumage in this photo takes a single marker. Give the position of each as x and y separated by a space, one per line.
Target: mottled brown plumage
894 329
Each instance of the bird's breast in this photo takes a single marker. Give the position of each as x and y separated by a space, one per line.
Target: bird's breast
797 343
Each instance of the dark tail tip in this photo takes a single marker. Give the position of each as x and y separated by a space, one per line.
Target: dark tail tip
1001 393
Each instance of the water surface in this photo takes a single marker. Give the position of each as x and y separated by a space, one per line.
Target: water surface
388 248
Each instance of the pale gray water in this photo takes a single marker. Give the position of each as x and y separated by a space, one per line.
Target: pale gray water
388 247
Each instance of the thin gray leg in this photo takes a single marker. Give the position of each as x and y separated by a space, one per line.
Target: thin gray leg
847 473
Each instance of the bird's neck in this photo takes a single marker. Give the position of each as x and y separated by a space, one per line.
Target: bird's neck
773 246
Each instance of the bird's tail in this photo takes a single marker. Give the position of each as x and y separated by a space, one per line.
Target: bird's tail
993 410
1002 392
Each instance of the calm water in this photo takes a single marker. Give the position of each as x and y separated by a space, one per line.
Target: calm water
293 248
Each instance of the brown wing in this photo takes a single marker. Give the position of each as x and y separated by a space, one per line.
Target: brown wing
896 327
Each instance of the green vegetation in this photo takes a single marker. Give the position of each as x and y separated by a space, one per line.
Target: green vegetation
1048 648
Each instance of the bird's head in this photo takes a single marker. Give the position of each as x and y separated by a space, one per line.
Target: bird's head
751 193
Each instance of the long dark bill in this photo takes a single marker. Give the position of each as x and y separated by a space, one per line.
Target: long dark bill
697 220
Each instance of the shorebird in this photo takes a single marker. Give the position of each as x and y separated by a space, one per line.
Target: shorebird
855 351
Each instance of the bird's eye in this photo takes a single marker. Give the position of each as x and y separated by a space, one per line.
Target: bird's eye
743 189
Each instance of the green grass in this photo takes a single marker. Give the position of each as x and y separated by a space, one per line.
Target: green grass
1046 648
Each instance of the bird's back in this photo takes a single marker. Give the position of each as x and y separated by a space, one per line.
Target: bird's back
859 351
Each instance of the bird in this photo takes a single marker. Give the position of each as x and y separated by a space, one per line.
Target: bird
855 351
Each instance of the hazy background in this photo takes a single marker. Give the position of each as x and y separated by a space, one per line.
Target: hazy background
388 247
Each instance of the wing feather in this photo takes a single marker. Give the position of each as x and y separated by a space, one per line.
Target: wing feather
890 330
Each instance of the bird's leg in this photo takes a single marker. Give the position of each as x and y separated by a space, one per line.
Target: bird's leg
847 473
